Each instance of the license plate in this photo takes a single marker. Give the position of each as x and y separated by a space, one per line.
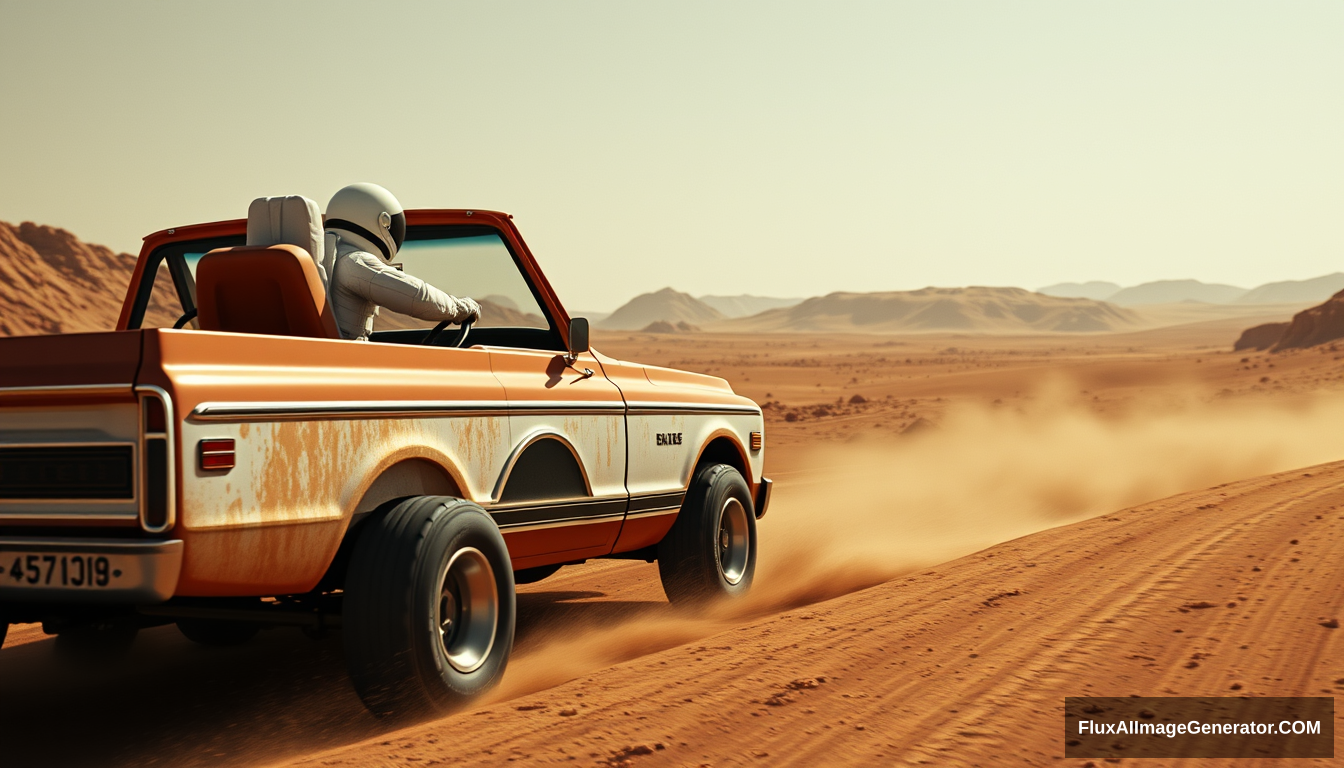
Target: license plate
41 570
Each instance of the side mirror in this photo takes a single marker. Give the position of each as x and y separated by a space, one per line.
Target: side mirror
578 338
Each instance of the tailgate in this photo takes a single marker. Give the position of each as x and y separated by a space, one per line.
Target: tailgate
71 444
70 360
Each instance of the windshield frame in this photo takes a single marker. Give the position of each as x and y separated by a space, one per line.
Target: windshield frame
175 242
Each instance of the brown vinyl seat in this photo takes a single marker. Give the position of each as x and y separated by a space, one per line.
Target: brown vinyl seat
270 289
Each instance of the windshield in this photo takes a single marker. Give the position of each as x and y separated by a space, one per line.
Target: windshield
470 262
464 261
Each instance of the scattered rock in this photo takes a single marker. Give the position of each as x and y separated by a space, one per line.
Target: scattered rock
989 602
1197 606
1330 624
920 424
568 712
858 400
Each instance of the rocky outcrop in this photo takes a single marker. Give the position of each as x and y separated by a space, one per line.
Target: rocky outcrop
1260 338
1318 325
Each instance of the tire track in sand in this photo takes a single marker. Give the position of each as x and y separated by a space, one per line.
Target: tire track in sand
966 663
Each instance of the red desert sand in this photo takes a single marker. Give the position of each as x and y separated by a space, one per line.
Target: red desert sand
925 595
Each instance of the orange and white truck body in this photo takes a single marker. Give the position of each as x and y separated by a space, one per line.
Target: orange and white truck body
201 464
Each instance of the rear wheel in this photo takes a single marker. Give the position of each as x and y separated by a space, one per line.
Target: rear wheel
214 632
429 607
710 552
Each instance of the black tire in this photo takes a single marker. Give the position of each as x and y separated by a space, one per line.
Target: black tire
693 563
4 630
216 633
415 560
101 641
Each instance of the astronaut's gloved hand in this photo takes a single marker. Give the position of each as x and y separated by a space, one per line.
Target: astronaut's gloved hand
469 313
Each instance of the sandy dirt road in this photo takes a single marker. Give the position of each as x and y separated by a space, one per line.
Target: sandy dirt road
966 663
1095 610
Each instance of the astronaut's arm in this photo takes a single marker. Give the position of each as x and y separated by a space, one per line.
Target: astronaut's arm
407 294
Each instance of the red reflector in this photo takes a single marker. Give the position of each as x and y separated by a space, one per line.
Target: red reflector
154 416
217 453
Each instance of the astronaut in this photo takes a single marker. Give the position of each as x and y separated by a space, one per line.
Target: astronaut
365 227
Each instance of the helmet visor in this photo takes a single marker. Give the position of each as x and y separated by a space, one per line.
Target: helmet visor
398 229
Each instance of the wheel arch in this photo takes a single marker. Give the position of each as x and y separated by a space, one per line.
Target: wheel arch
410 471
723 447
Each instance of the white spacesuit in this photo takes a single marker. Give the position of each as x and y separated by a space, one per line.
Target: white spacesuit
365 227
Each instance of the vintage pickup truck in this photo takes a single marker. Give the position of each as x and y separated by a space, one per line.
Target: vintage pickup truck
245 467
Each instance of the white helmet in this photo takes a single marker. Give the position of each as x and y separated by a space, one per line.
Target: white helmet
370 212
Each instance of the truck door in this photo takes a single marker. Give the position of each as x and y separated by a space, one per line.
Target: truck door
563 490
561 486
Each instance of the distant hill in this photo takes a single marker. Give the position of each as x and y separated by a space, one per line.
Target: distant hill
976 309
52 282
1096 289
745 305
1315 290
1175 291
668 305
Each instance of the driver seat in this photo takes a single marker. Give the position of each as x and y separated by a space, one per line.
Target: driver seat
273 285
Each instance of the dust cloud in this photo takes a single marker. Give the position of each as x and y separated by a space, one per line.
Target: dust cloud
871 510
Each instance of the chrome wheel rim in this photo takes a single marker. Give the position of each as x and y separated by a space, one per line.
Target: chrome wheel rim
467 611
733 542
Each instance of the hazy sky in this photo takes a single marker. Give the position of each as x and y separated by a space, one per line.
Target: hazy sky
776 148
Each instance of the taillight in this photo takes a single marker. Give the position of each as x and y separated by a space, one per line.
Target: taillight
217 454
156 459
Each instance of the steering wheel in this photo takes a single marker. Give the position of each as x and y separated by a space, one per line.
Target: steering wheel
434 333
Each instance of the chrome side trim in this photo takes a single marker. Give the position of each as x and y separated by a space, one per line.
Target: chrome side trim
644 408
71 389
346 409
135 483
657 500
566 407
560 523
168 435
533 437
653 513
151 567
533 513
350 409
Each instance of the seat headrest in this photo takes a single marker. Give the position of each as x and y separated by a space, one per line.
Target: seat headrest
289 220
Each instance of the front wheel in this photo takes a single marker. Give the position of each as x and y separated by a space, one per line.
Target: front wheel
429 607
710 552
